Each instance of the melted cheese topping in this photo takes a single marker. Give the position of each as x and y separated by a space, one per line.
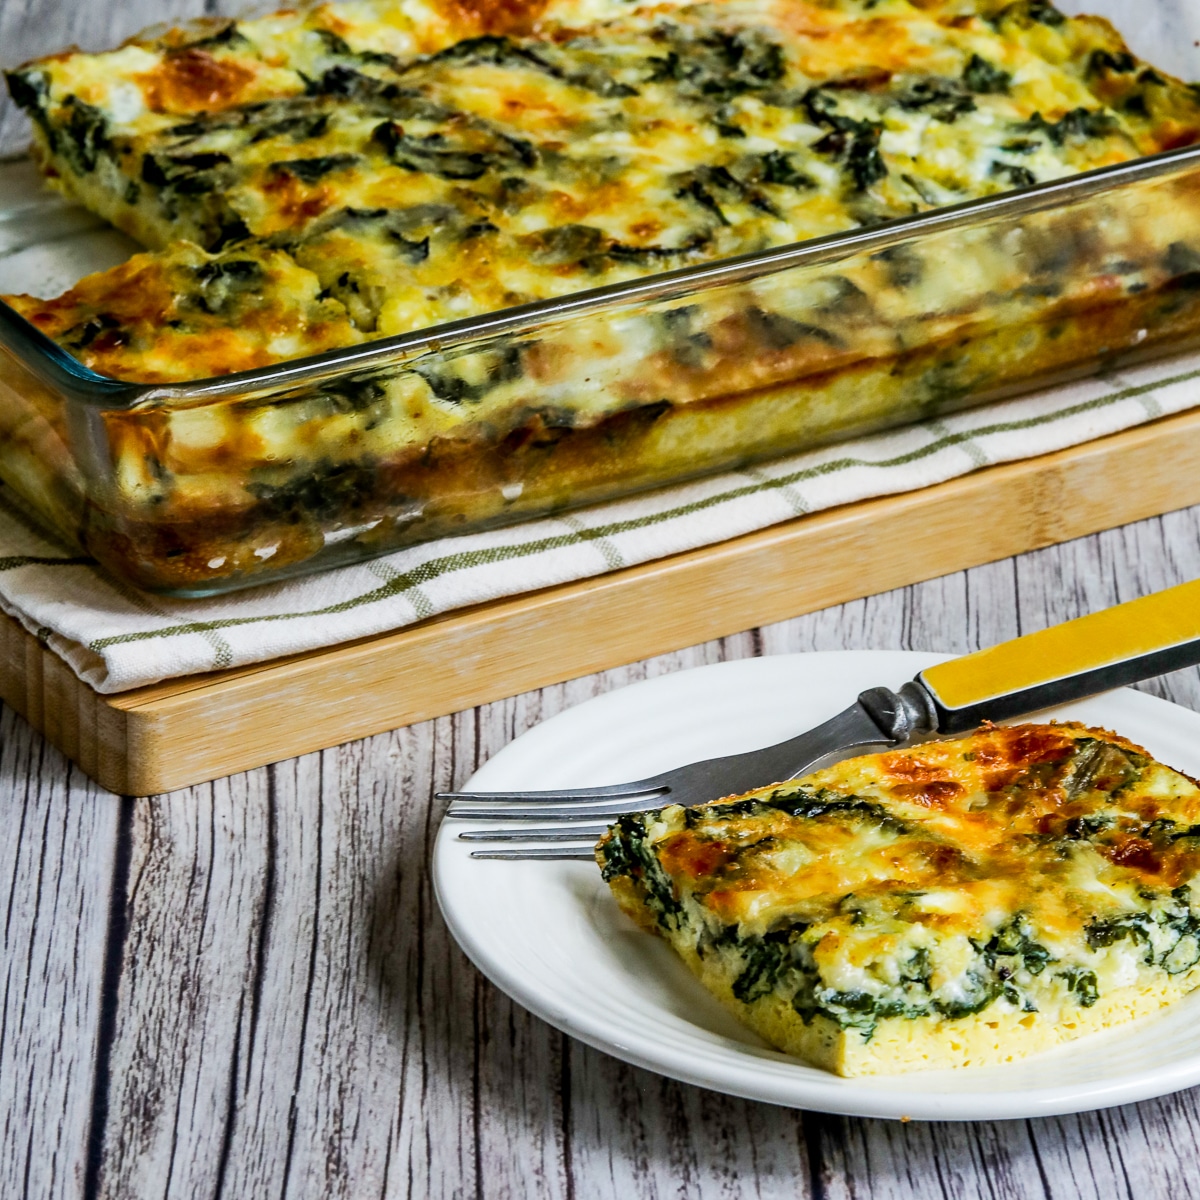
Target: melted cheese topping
431 160
243 308
1032 869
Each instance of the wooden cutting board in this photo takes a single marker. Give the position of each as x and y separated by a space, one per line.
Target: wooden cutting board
170 735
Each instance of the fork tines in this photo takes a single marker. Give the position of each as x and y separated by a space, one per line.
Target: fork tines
562 824
543 852
577 833
524 841
648 790
525 812
552 806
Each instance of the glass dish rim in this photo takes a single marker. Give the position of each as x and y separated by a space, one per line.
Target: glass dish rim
78 383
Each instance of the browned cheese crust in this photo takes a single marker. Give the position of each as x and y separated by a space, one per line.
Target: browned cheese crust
963 902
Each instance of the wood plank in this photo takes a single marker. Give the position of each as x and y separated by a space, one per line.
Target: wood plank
56 869
180 732
193 916
295 1021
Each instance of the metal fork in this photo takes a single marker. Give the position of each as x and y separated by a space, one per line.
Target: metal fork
1106 649
566 824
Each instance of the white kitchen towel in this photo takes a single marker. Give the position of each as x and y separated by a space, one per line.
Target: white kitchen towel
116 638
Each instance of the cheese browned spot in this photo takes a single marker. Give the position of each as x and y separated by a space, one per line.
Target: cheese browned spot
959 903
193 311
502 16
195 81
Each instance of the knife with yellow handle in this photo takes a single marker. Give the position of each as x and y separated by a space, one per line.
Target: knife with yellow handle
1108 649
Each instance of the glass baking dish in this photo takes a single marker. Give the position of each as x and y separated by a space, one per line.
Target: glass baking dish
201 488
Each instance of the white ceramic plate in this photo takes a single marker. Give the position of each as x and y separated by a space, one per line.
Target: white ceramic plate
550 935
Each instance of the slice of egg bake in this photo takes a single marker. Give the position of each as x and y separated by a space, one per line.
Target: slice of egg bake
959 903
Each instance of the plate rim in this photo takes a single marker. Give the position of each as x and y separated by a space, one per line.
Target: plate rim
834 1094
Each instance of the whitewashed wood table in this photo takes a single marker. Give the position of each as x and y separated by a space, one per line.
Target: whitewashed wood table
245 989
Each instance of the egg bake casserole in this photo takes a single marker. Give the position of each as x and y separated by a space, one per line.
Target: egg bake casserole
960 903
316 179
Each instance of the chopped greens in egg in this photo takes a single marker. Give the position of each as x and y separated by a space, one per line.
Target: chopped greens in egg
960 902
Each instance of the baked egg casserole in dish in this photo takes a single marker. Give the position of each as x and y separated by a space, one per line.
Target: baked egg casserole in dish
416 268
958 903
